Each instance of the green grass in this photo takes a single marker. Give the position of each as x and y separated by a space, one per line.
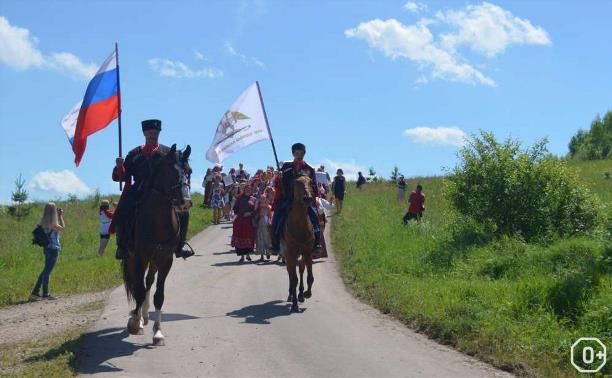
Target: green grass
50 356
54 356
78 269
518 306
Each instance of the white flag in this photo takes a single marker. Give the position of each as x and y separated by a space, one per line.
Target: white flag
242 124
69 122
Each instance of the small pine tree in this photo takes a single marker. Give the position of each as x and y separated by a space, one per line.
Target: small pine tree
395 174
371 174
19 196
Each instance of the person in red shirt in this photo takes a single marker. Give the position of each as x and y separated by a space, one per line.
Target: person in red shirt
417 205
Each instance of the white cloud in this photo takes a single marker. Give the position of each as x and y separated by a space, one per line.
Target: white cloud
58 182
72 64
350 169
453 136
486 28
422 80
415 7
416 43
245 59
179 70
18 49
259 63
199 55
489 29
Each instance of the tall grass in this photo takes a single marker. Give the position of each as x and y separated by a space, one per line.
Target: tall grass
519 306
78 269
592 172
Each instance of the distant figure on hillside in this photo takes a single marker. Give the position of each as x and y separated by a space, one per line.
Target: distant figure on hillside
106 217
52 223
338 188
360 180
606 175
416 205
401 189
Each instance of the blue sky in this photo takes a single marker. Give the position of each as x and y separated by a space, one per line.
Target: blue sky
362 83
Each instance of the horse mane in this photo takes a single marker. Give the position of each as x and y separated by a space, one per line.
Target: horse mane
307 231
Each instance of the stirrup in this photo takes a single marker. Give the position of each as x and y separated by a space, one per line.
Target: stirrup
185 254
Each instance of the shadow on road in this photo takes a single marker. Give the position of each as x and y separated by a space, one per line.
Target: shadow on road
224 253
101 346
262 313
170 317
230 263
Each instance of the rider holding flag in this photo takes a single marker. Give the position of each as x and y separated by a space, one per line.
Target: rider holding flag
139 164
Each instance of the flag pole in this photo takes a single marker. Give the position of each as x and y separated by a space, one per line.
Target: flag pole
119 99
267 124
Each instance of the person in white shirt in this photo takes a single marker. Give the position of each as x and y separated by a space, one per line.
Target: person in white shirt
106 217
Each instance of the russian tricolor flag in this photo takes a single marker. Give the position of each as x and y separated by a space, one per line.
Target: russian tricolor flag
99 107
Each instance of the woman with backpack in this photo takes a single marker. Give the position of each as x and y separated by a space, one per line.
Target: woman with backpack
52 222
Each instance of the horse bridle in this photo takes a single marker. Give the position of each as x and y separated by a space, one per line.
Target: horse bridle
184 180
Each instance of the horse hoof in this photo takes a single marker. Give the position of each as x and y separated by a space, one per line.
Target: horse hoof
158 339
134 329
145 321
295 308
301 298
307 294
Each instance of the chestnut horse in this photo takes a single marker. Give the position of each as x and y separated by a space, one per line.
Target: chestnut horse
156 237
298 240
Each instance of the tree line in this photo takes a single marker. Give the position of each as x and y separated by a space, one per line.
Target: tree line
595 143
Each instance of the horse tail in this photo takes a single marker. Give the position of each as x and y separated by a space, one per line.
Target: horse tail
127 270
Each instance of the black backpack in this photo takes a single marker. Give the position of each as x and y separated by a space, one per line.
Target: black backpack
40 237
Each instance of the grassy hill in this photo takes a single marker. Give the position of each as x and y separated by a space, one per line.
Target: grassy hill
519 306
592 173
78 269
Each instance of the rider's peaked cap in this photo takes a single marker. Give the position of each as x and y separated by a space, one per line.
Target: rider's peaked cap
151 124
298 146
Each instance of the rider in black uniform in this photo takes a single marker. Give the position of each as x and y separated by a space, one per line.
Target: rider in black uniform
289 172
138 164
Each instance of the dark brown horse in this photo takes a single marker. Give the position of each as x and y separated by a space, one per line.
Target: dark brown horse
156 237
298 240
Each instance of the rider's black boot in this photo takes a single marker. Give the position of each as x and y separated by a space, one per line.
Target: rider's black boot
183 249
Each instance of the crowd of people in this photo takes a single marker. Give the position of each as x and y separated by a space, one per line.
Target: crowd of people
248 201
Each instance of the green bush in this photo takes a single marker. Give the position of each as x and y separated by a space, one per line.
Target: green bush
513 191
